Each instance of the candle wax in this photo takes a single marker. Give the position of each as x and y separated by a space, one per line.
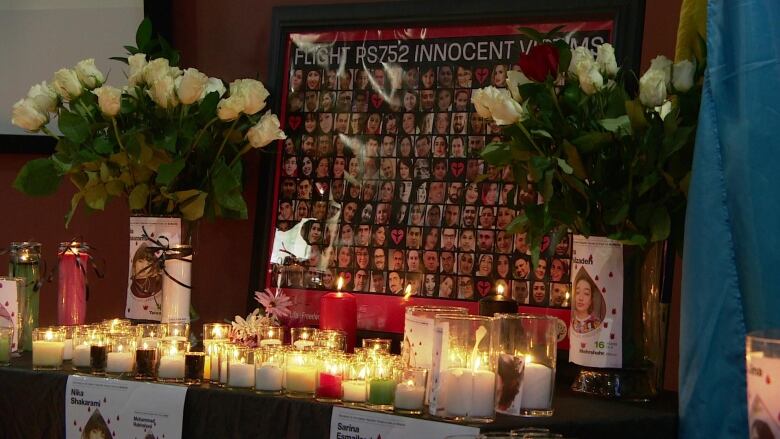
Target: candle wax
270 342
68 353
118 362
81 356
328 386
144 362
301 344
47 353
5 351
171 367
301 379
409 397
194 365
354 390
469 393
381 391
339 311
241 375
537 386
268 377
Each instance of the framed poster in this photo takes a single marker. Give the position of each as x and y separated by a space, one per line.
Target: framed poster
381 181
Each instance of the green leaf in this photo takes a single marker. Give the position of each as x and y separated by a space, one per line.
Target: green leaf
102 145
537 167
620 125
636 114
616 214
74 203
38 178
96 196
167 172
143 36
169 139
73 126
648 182
208 107
573 159
518 224
532 33
592 141
564 55
138 197
547 188
496 154
115 188
192 207
660 224
565 167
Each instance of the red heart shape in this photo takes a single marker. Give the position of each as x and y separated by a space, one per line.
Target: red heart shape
13 314
603 290
610 274
483 287
481 74
596 278
614 311
606 324
397 235
376 101
611 336
457 168
146 307
545 243
108 421
322 187
294 122
347 276
6 303
768 380
582 345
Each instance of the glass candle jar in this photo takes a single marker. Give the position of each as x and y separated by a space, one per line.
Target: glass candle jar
116 325
211 348
48 348
525 348
170 367
377 345
6 337
330 375
215 331
175 331
72 283
301 374
83 337
98 354
381 384
269 370
69 331
148 333
176 287
355 384
25 263
146 361
224 351
410 391
194 367
418 332
331 339
467 380
120 359
303 337
272 336
241 368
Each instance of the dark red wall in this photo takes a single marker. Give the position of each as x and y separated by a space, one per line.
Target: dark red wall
228 40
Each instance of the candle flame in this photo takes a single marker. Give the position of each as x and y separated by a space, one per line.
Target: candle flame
408 292
339 283
500 289
410 383
529 359
217 332
176 332
146 346
119 348
49 335
173 351
477 362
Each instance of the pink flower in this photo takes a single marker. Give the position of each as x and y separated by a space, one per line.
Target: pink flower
275 305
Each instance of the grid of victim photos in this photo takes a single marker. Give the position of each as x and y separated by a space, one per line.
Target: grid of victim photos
385 161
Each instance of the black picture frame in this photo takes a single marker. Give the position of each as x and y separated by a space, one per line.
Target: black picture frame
628 16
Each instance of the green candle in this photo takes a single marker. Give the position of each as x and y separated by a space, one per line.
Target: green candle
5 351
381 391
28 300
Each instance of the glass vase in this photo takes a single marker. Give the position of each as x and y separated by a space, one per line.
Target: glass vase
72 283
25 263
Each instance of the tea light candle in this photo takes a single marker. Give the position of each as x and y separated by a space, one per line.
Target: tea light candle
241 375
381 391
119 362
268 377
301 378
303 344
354 391
339 311
408 396
223 367
171 367
81 356
537 386
47 349
270 342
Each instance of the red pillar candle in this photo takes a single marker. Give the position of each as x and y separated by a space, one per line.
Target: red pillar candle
328 386
72 286
338 310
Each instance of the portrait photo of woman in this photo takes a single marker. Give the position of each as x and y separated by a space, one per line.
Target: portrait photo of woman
588 307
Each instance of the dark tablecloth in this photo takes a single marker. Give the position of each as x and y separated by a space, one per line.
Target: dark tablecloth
32 405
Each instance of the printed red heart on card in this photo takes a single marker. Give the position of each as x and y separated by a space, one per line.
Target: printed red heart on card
347 276
397 235
79 429
481 74
89 409
483 287
610 274
614 311
376 101
582 345
606 324
117 418
294 122
596 278
457 168
6 303
611 336
146 307
768 380
603 290
545 244
108 421
13 314
74 422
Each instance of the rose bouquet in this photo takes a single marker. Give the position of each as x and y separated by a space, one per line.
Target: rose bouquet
602 159
169 142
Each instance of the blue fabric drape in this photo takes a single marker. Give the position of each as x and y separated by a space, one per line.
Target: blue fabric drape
732 241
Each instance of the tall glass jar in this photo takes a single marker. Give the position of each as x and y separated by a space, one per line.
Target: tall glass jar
72 283
176 286
25 263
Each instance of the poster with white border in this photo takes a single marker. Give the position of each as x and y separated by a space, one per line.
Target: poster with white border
144 282
109 408
763 395
596 327
360 424
9 308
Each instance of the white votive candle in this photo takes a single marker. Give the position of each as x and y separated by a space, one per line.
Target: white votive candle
223 372
270 342
68 352
409 397
268 377
303 344
483 402
47 353
301 379
214 359
469 393
241 375
81 356
171 367
537 386
119 362
354 390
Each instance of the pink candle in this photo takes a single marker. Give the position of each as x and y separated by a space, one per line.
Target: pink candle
328 386
339 311
72 289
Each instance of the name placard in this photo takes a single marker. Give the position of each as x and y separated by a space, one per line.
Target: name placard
359 424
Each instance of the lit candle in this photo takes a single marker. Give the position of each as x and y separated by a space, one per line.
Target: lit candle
145 359
120 361
171 366
268 377
98 356
354 390
303 344
241 374
68 352
338 310
409 396
537 385
301 376
329 382
81 356
469 392
71 283
5 346
497 303
270 342
381 391
194 366
47 351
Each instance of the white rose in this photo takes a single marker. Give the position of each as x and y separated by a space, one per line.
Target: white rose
606 60
682 77
155 70
190 86
137 63
213 85
253 92
514 79
67 84
652 88
589 76
230 108
163 92
663 64
88 73
44 96
664 109
579 54
265 131
25 115
109 99
491 102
